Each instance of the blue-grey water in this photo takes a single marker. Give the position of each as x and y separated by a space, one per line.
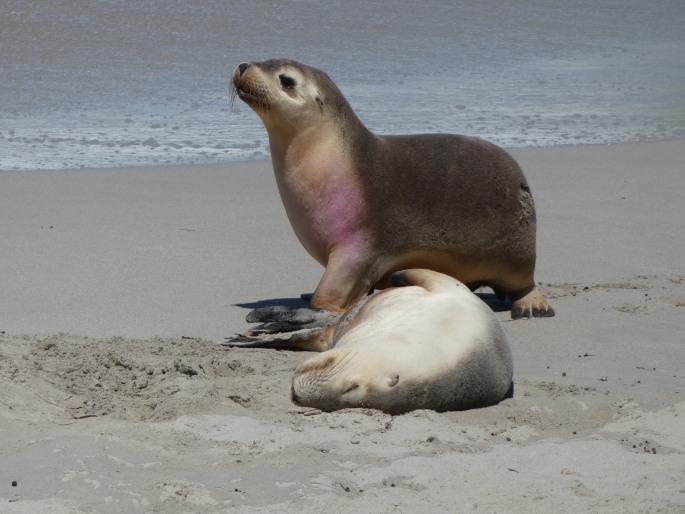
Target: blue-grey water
110 83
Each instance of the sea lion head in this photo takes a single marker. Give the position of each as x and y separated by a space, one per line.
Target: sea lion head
287 95
342 378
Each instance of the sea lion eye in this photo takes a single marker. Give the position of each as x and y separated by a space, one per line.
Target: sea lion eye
350 387
287 82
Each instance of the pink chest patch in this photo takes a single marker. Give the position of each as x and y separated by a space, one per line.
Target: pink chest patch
342 214
325 206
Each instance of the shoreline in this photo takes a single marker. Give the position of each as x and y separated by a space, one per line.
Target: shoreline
114 395
267 158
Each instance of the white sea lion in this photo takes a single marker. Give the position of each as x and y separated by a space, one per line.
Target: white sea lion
365 206
432 344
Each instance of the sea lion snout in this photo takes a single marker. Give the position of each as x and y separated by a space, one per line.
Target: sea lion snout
293 395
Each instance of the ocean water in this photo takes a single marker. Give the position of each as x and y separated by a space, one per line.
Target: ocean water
111 83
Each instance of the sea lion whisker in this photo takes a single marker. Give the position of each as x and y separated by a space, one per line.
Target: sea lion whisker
266 99
331 372
232 95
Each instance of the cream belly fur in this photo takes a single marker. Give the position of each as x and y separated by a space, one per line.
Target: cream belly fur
431 344
365 206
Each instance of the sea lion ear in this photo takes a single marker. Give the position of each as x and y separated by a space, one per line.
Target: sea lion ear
319 101
392 381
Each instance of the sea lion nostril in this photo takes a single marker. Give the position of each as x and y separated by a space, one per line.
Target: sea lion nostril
243 66
293 396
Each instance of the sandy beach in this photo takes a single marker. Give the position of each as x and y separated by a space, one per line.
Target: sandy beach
118 286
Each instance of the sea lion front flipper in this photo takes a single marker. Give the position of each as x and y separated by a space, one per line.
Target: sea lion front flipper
296 328
297 317
309 339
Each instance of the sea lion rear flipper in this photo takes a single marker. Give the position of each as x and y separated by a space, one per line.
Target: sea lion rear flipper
296 328
428 279
310 339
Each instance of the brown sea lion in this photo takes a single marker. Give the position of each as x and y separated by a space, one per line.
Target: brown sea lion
365 205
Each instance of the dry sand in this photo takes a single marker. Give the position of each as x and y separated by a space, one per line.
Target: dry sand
117 285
